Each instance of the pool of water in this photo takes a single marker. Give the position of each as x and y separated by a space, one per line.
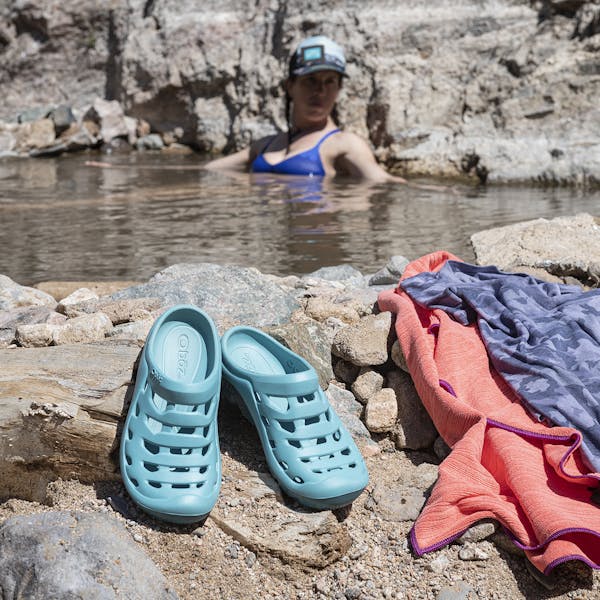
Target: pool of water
63 219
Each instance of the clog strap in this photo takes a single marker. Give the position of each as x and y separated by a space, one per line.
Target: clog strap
286 384
177 392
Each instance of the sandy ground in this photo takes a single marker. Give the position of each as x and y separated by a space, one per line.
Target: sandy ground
204 562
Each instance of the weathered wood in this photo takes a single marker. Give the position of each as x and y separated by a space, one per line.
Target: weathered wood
59 412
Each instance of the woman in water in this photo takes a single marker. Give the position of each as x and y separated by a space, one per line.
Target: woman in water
313 144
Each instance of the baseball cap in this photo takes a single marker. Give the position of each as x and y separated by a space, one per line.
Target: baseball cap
317 53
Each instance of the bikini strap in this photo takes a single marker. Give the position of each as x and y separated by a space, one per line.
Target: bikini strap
326 136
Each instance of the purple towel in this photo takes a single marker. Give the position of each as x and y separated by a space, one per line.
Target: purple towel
543 338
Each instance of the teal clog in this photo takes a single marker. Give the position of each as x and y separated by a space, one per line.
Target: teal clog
170 457
308 449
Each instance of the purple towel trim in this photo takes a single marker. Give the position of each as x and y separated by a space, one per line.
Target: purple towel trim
420 551
446 385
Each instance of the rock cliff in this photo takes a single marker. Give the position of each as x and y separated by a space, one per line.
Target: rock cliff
501 90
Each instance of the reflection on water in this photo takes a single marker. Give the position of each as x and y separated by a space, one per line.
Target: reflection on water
62 219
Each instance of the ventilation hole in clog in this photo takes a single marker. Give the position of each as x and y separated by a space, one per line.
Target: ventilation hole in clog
337 435
312 420
155 484
318 471
295 443
205 431
152 448
288 426
134 481
204 450
128 459
321 440
334 469
203 470
180 486
199 485
284 465
169 406
352 465
300 400
328 415
298 479
137 410
187 430
129 434
179 469
207 407
305 460
345 451
265 420
150 467
273 444
309 398
257 398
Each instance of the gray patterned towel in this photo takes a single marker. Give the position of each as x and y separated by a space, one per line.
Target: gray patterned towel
543 338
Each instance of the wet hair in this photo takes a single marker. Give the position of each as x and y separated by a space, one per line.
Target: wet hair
288 112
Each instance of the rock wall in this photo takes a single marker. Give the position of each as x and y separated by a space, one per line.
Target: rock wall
498 90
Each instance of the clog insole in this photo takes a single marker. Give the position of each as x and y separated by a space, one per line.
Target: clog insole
250 355
179 351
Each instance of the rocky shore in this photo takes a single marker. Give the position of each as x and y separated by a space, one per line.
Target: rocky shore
69 352
498 91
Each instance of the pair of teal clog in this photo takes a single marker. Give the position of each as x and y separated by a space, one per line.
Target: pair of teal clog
170 457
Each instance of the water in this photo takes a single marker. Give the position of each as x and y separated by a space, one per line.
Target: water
61 219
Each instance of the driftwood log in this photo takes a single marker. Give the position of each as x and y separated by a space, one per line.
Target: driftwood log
60 410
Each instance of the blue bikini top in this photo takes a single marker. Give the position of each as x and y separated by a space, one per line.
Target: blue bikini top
303 163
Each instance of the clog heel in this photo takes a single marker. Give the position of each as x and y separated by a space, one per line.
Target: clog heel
308 449
169 455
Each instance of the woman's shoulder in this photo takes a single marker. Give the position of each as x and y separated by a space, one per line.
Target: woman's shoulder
346 141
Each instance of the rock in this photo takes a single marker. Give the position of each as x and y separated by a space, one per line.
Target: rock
366 343
62 117
415 428
381 411
152 141
13 295
564 246
310 342
344 274
399 503
109 116
76 297
440 448
398 356
345 371
471 551
320 309
311 539
368 383
134 309
10 320
64 555
136 331
478 532
59 413
84 329
349 411
36 134
231 295
35 335
61 289
391 273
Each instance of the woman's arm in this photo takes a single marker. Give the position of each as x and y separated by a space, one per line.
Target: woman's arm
358 160
238 161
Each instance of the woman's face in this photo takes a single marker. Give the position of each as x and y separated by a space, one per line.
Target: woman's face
314 95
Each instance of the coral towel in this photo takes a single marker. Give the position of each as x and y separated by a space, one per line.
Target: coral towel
504 464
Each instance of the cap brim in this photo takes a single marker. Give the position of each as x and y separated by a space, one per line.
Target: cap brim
314 68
